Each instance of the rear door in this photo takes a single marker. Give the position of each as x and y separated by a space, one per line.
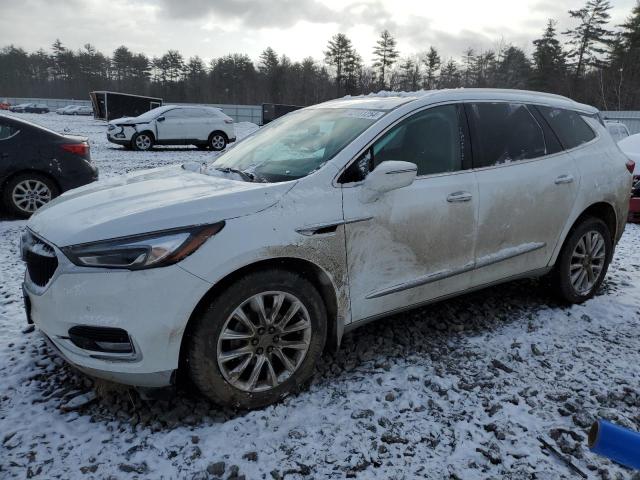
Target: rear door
197 123
527 187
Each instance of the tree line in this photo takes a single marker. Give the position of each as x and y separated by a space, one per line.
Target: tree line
593 62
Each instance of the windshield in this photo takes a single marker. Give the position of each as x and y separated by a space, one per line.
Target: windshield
297 144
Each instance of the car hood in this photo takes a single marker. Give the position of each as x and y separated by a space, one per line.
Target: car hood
148 201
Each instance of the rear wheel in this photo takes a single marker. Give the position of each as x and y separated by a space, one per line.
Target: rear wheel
142 142
583 261
259 340
217 141
26 193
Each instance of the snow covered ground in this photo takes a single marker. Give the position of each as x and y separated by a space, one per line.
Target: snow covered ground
466 389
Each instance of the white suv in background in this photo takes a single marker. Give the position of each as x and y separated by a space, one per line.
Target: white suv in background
205 127
239 274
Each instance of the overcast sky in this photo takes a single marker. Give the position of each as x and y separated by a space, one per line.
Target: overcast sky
297 28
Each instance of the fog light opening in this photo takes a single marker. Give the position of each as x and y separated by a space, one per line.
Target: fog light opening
101 339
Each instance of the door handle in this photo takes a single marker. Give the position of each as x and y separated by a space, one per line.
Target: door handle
457 197
564 179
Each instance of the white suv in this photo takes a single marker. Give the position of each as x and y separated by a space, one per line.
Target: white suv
205 127
240 274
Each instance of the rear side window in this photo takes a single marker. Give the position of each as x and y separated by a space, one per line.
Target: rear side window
7 131
503 133
196 112
570 128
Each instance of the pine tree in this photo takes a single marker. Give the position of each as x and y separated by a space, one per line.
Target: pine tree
468 72
450 75
513 69
549 63
339 51
624 61
590 37
385 55
409 75
352 69
269 68
432 63
59 67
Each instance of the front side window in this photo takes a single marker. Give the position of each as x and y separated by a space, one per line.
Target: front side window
297 144
570 128
504 133
177 113
432 139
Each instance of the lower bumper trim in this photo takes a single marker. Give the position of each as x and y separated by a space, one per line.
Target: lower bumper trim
151 379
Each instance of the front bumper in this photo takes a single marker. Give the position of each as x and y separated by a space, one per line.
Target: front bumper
153 306
118 141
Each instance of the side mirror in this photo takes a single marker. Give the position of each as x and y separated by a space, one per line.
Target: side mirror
387 176
160 119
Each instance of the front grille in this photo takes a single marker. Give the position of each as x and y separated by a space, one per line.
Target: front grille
41 260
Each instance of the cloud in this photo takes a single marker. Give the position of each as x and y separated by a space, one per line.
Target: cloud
297 28
252 13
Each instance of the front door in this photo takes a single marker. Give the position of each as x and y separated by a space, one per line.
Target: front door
172 125
527 187
415 243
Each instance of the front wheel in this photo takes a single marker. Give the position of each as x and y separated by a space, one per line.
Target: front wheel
142 142
217 141
583 261
259 340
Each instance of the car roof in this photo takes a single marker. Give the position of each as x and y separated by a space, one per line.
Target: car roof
193 106
390 100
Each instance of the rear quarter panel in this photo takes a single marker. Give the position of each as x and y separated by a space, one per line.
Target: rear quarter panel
603 178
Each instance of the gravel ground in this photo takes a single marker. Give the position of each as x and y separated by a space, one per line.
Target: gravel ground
466 389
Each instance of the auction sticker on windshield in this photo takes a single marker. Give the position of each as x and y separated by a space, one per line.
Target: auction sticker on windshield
370 114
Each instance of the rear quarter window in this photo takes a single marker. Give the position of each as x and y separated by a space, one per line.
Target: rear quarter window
569 126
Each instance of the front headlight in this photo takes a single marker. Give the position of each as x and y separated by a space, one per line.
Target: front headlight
138 252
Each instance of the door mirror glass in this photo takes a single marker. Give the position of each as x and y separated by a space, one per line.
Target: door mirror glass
389 175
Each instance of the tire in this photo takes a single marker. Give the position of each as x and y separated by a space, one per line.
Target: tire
218 141
214 375
576 280
25 193
142 142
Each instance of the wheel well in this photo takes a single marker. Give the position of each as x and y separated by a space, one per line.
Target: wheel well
310 271
37 172
220 132
605 212
145 131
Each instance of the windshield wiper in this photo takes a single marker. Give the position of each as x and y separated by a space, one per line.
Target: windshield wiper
245 175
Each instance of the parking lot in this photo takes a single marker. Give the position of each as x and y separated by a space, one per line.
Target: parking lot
469 388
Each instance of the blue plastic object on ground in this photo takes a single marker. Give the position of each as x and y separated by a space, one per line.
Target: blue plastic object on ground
617 443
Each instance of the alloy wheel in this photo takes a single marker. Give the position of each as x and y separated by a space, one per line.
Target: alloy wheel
587 262
218 142
143 142
264 341
30 195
